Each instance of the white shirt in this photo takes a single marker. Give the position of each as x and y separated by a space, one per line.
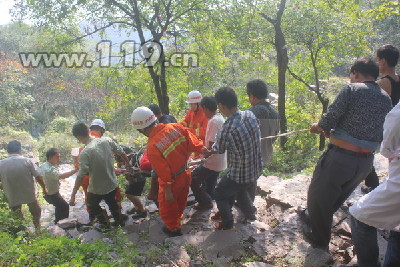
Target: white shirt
216 162
380 208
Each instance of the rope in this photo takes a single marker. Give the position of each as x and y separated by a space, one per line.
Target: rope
285 134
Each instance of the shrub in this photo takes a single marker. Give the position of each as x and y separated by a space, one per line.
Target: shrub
10 222
61 125
7 134
63 141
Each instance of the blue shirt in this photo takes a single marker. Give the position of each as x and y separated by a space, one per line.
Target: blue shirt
240 137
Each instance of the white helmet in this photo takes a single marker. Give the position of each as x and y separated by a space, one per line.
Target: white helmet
142 117
98 122
193 97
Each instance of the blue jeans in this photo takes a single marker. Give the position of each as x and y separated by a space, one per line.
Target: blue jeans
366 246
226 192
365 243
392 256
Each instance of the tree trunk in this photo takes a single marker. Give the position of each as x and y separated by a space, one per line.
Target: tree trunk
283 61
322 138
282 57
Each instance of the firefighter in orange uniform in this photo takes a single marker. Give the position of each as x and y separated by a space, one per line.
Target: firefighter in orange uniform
169 146
195 118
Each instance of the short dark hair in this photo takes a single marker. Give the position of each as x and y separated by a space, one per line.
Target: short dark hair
14 147
155 108
257 88
209 103
227 97
389 53
80 130
365 66
51 152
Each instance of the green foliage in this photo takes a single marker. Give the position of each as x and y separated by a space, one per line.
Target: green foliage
61 125
50 250
7 134
62 141
10 222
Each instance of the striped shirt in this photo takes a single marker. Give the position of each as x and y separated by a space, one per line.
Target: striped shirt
240 137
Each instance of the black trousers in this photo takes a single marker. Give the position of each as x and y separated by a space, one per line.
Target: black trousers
372 180
61 206
203 184
95 210
337 174
226 192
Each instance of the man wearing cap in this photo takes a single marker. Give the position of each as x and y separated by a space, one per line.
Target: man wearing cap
169 146
16 174
195 118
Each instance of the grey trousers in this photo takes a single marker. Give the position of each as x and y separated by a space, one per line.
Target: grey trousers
337 174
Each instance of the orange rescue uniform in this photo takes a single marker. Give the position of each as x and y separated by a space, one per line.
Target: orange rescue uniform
85 180
169 147
196 122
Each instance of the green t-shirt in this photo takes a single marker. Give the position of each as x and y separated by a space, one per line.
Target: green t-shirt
97 161
51 177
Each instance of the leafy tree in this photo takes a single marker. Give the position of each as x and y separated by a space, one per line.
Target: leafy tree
321 36
150 19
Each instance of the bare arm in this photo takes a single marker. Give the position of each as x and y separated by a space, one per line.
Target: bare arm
386 85
40 181
67 174
78 183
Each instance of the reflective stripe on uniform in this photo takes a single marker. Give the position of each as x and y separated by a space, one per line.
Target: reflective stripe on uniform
173 146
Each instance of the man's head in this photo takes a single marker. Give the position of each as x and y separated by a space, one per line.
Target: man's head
53 156
156 110
364 69
257 91
14 147
194 99
387 56
209 106
143 120
81 132
99 126
226 100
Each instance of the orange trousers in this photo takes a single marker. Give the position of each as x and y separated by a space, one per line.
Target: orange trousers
85 185
172 213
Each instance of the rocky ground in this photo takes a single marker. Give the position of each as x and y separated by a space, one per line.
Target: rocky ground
274 239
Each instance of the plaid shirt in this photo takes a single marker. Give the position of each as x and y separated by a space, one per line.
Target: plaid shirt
240 137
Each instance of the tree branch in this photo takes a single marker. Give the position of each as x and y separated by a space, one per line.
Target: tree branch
124 9
271 20
301 80
97 30
281 10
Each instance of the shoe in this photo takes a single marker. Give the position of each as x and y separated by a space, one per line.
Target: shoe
124 217
131 211
216 216
102 227
219 226
171 233
203 206
251 217
366 189
304 217
139 215
309 237
116 224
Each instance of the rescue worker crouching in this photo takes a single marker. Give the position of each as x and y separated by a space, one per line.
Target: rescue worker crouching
169 147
